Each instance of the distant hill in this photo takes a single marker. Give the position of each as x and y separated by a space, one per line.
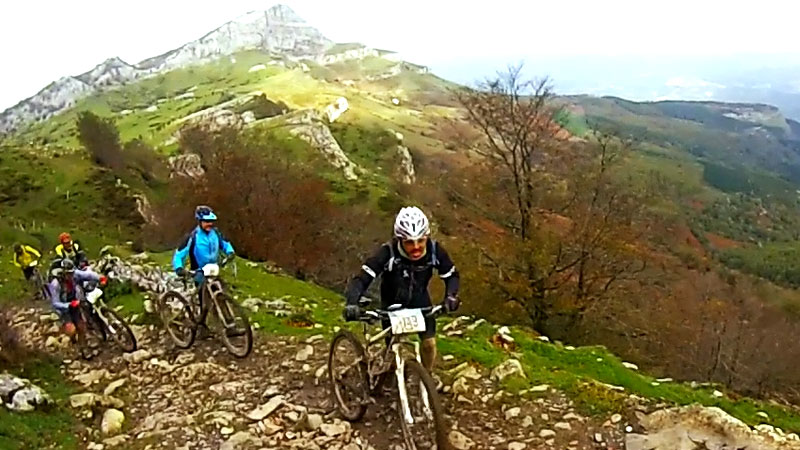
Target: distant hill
754 135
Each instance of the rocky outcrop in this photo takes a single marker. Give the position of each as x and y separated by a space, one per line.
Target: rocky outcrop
408 174
308 125
19 394
146 277
397 69
221 115
56 97
186 165
702 428
110 72
277 29
144 208
347 55
336 109
406 169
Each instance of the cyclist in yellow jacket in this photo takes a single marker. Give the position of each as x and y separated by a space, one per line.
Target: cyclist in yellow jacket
26 258
72 250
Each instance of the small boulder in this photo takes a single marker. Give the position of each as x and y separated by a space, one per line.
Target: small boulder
112 422
335 429
113 386
511 367
304 353
565 426
512 413
459 441
266 409
137 356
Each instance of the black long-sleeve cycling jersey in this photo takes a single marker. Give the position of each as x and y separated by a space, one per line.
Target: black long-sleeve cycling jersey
404 281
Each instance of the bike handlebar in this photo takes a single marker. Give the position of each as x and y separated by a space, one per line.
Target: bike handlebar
377 314
224 262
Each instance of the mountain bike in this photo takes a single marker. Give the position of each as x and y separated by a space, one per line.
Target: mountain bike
182 317
103 322
37 282
357 374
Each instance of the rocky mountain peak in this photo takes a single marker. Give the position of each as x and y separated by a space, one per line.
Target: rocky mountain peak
283 13
109 72
277 30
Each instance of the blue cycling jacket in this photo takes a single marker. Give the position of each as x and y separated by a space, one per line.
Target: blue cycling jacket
202 248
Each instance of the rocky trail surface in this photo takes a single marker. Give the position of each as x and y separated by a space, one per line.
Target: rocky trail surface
278 397
162 397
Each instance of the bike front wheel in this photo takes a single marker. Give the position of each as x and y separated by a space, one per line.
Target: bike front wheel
120 332
423 421
347 370
178 319
237 334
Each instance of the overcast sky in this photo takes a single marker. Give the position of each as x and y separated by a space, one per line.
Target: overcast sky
44 40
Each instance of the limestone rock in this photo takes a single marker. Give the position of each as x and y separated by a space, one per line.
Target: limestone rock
266 409
112 421
304 353
683 428
459 441
511 367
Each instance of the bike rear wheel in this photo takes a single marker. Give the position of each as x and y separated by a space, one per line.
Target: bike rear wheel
83 338
178 319
424 429
237 335
347 370
120 332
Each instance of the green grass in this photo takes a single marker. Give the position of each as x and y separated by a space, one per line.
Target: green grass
55 428
584 372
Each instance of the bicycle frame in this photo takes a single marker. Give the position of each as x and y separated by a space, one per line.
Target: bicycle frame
211 287
395 347
96 306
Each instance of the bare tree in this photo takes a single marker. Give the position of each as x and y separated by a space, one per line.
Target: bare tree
573 238
516 118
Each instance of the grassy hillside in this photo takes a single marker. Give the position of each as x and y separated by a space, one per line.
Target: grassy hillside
731 169
722 172
751 135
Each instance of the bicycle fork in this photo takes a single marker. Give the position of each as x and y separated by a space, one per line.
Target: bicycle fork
401 385
96 311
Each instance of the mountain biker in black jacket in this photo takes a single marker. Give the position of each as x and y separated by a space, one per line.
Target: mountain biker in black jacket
406 265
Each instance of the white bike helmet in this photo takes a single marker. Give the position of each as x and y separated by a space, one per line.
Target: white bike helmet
411 223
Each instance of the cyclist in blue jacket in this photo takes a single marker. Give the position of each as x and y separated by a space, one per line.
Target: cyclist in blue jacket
203 245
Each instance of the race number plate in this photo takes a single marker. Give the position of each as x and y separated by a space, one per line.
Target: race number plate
211 270
407 321
94 295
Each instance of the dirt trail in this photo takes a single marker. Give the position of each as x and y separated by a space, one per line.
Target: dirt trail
203 398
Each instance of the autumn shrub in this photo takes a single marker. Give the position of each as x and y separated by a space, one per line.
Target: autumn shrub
270 207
